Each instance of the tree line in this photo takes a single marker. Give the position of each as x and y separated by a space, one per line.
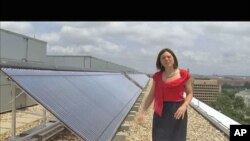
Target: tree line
229 86
231 105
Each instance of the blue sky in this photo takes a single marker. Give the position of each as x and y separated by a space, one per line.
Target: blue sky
206 48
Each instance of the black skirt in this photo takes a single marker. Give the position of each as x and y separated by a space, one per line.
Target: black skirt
167 128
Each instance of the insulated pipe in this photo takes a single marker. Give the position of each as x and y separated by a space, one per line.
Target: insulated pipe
30 136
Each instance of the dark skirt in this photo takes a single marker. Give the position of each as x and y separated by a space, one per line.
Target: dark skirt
167 128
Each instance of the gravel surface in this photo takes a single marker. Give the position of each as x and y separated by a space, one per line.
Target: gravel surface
7 117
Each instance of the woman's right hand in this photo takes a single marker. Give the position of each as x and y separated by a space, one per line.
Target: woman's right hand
140 118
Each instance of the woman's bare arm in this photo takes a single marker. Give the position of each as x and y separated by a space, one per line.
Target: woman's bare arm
149 99
189 92
179 114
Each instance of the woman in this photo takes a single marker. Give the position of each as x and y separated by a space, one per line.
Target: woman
170 106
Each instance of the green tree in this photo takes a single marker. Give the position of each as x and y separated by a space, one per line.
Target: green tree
247 111
224 102
232 106
238 103
230 92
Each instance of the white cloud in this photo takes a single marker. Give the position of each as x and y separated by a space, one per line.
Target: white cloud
146 52
49 37
18 27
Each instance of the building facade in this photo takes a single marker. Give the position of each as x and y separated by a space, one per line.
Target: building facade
206 90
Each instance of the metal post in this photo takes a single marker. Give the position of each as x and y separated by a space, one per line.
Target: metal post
90 62
0 98
13 126
26 53
44 117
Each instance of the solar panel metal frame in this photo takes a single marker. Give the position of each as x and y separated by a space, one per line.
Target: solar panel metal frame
140 79
106 134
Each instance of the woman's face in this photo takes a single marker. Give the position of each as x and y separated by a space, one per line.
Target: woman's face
167 60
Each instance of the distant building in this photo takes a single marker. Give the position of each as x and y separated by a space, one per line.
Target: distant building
206 90
245 94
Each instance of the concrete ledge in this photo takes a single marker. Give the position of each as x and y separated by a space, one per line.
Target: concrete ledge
135 108
140 100
130 117
132 113
137 104
124 127
120 136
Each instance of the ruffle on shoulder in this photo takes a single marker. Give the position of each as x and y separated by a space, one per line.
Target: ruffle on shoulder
180 81
156 76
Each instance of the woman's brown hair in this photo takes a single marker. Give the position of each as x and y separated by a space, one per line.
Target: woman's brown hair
158 61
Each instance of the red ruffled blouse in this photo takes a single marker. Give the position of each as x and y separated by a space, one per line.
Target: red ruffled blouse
168 91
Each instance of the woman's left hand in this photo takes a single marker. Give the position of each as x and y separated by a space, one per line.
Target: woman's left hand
180 113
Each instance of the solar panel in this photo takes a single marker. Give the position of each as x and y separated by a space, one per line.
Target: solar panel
90 104
141 79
